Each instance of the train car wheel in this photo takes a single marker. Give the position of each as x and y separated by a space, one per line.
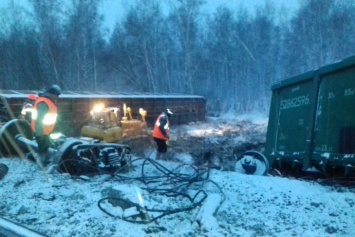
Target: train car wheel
70 162
66 158
252 162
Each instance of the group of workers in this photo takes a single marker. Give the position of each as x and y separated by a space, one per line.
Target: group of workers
41 112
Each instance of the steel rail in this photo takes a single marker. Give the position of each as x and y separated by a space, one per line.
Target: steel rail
11 229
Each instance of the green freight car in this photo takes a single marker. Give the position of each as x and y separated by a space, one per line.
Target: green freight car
312 122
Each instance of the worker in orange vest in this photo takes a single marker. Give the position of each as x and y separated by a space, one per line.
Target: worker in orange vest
161 133
26 112
44 117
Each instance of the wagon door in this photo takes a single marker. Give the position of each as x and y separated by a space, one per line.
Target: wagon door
334 134
291 121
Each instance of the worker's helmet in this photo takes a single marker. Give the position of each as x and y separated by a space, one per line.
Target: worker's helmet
169 112
55 90
32 97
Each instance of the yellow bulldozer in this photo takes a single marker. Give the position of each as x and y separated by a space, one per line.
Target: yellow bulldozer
108 124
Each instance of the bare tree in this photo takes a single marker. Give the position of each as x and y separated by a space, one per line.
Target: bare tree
232 56
84 43
17 49
140 48
47 17
186 18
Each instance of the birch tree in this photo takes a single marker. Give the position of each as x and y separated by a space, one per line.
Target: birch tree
84 45
186 18
47 17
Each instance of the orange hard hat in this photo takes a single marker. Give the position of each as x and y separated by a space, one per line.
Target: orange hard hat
32 97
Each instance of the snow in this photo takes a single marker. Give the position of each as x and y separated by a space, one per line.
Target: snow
174 198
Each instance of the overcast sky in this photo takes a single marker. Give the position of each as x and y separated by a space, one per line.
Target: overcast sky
114 10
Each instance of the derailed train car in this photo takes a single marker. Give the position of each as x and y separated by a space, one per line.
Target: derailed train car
312 122
78 156
74 107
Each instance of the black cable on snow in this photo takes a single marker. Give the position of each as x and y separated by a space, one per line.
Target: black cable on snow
169 183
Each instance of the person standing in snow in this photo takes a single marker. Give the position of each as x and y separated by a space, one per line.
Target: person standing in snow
44 117
26 112
161 133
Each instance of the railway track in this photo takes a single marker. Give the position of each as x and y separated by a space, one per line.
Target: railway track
12 229
320 178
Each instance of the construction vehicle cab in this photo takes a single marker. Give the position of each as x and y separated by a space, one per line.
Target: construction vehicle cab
109 124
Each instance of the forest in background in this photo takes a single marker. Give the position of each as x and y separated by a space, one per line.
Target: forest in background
230 57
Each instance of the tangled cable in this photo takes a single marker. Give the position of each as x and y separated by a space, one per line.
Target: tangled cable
170 183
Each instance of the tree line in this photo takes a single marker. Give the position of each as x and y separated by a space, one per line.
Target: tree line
231 57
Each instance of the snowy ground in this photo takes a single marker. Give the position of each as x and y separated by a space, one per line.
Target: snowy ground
180 198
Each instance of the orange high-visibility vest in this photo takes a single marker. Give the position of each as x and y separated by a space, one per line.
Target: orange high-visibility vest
49 119
156 132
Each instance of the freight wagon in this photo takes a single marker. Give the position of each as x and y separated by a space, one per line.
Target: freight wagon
312 122
87 155
74 107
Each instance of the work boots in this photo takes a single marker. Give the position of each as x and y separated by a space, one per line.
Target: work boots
41 160
163 156
52 157
44 159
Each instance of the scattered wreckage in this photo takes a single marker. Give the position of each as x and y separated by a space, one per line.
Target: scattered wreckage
71 155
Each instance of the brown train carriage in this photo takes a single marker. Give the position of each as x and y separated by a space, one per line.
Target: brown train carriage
74 107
